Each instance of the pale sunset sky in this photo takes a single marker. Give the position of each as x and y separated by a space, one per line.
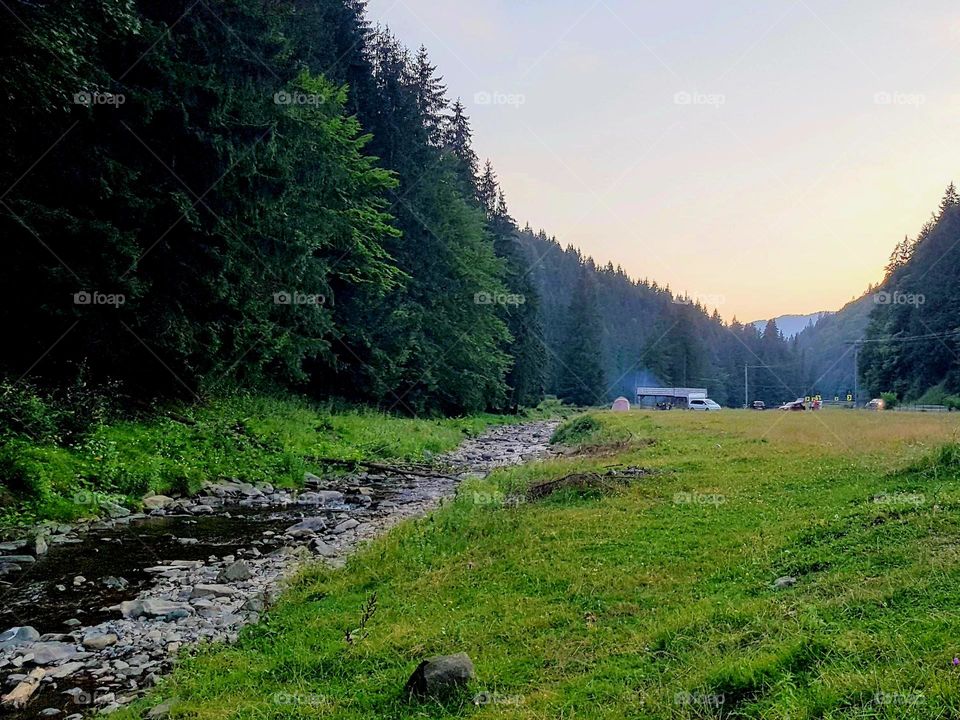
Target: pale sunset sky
764 156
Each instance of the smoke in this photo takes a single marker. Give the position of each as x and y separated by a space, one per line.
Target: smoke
646 378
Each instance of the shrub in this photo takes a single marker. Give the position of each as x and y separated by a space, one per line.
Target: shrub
577 431
36 471
889 399
25 413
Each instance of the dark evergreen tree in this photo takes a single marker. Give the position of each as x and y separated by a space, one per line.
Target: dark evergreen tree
581 380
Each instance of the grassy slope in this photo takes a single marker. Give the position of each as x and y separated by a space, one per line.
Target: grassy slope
254 439
644 604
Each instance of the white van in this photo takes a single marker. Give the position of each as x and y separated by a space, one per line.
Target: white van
705 404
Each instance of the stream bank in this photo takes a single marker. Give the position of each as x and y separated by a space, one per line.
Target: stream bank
99 616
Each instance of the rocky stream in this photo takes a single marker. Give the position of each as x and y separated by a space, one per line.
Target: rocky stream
97 612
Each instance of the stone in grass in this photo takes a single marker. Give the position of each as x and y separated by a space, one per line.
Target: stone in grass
161 711
782 583
438 676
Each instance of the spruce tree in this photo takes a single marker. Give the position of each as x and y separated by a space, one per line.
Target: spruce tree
581 380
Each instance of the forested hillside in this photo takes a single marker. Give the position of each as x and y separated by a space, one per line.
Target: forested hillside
912 345
828 349
204 196
280 196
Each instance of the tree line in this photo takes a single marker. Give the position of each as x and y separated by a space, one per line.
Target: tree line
911 348
276 194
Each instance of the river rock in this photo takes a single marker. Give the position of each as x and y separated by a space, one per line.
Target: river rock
14 637
115 511
234 573
17 559
440 675
310 526
348 524
203 591
157 502
50 653
323 549
152 607
99 640
320 497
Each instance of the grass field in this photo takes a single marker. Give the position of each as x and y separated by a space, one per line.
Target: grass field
654 600
255 439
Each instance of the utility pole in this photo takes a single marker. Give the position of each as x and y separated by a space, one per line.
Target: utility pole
856 375
746 386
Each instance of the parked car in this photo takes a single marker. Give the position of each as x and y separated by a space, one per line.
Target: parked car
704 404
796 405
759 405
876 404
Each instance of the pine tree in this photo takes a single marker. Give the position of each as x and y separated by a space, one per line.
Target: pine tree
488 190
431 97
580 368
951 201
458 140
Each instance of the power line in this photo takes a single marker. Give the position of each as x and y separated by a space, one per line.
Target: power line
911 338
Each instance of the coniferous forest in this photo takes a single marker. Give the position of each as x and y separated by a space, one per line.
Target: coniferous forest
282 196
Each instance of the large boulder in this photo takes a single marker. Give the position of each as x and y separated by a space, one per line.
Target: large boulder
438 676
14 637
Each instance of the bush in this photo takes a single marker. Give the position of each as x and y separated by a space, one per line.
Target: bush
36 471
890 400
25 413
577 431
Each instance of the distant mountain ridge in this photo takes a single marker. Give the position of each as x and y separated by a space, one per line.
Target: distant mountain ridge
792 325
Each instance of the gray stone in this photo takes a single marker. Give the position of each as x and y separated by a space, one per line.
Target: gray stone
348 524
323 549
115 511
161 711
320 498
157 502
310 526
254 604
50 653
14 637
784 582
65 670
99 640
202 591
17 559
236 572
152 608
440 675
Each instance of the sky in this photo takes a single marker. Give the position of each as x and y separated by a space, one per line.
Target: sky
764 157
